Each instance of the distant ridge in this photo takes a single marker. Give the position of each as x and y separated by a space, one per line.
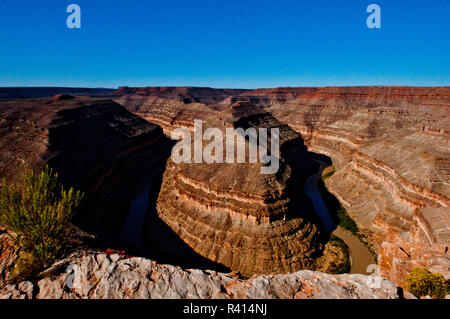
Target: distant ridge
40 92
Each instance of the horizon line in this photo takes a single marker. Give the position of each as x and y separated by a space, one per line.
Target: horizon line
214 87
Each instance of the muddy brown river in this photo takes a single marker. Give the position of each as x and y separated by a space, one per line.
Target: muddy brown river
360 255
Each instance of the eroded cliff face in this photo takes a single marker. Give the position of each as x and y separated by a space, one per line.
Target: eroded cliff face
250 222
95 145
389 146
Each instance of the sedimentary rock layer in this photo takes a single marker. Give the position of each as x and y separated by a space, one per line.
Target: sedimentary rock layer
389 147
247 221
95 145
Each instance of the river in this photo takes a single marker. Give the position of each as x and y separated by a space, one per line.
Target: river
132 231
360 255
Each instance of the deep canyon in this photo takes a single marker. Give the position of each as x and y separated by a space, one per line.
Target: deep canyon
389 147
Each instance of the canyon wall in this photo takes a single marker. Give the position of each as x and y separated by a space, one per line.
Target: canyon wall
389 147
95 145
7 93
247 221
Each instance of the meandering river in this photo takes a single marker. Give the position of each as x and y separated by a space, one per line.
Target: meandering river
360 255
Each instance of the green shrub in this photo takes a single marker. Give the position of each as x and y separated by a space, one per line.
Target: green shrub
329 174
345 221
39 210
338 213
422 282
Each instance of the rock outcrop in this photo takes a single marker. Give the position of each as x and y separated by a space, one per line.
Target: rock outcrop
62 97
8 255
97 275
232 214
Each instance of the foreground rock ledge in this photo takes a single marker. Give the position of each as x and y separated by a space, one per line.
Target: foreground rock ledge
98 275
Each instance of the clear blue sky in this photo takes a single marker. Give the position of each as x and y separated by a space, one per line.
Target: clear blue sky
224 43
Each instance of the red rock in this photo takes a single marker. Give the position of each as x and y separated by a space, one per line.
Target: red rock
62 97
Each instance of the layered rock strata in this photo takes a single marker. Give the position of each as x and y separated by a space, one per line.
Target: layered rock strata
95 145
247 221
390 149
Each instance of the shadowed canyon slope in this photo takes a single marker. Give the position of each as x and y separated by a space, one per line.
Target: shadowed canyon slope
95 145
389 147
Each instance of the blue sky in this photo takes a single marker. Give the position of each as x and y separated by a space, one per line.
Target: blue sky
224 43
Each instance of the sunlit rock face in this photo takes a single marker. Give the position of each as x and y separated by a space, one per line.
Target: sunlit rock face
389 146
100 275
234 215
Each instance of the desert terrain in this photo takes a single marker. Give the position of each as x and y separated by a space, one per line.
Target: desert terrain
196 230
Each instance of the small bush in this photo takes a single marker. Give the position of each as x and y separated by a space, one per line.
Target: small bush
345 221
328 174
422 282
39 210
